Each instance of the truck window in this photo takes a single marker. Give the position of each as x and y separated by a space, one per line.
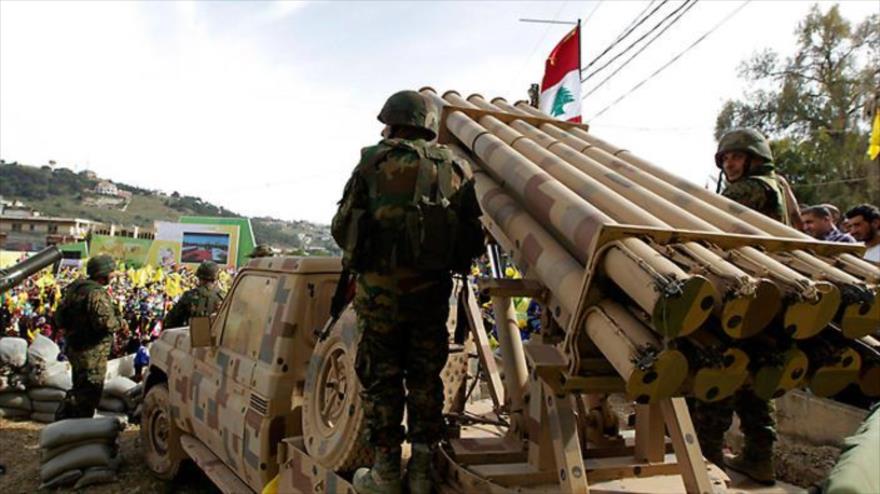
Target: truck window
248 313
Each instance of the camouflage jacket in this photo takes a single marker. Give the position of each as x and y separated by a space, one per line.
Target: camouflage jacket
199 302
761 191
87 314
408 204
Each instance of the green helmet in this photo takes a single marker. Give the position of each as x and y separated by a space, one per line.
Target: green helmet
410 109
99 266
745 139
207 270
261 250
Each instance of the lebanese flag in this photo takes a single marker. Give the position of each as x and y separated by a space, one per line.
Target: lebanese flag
561 87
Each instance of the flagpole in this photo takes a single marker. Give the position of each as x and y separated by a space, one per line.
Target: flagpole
580 73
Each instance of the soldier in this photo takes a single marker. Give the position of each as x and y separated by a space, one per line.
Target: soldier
201 301
90 320
407 219
745 157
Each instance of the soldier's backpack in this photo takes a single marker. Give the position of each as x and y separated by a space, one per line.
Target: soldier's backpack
71 313
431 222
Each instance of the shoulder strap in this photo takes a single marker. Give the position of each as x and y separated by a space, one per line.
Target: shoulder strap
771 183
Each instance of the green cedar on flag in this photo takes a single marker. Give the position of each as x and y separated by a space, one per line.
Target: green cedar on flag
561 86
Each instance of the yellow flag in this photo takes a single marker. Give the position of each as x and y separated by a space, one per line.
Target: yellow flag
874 144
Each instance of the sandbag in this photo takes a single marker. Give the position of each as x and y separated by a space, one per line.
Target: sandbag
95 475
43 352
48 454
46 394
111 404
11 381
90 455
13 351
57 375
120 367
122 418
45 418
118 387
45 406
14 413
73 430
65 478
15 399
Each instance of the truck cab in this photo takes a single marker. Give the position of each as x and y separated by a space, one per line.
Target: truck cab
227 390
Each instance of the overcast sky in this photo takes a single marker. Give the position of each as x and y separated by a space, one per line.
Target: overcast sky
262 107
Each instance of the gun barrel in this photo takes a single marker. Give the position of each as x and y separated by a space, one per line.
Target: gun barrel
14 275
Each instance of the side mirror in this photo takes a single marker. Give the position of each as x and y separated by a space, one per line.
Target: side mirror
200 332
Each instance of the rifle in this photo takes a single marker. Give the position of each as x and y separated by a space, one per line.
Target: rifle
341 297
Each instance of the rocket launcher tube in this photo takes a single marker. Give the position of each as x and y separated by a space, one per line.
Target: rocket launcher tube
676 301
803 318
859 314
650 373
739 288
760 222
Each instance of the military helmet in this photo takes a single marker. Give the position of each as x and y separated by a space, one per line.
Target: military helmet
99 266
410 109
207 270
261 250
745 139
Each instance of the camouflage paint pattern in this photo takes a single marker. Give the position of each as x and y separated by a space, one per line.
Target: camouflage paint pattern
684 194
613 194
575 222
241 406
89 367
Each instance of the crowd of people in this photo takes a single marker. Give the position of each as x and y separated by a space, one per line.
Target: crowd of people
142 297
858 224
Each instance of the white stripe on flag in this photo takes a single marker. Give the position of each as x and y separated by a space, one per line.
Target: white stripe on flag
566 105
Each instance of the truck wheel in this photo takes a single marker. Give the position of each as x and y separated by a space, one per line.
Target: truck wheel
333 415
160 437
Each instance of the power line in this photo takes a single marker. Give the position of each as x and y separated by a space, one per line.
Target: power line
636 54
592 12
635 19
686 4
623 36
674 59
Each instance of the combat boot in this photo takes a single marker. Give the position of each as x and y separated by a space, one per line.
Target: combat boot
753 466
384 477
418 470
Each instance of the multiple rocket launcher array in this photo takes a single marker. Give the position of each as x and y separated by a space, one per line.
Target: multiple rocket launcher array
695 294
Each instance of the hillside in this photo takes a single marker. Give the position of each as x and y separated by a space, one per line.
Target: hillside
60 192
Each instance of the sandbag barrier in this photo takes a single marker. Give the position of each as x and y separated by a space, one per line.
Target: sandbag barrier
79 452
33 383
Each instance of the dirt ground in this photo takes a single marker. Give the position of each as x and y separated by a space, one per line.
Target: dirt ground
20 453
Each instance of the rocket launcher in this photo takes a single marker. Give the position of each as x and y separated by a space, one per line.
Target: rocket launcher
855 279
678 295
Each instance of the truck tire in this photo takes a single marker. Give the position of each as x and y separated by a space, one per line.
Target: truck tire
160 436
333 414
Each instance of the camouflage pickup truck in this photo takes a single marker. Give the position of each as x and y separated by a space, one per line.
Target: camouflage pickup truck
250 394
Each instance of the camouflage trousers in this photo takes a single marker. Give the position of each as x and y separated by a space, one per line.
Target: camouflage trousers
404 340
757 423
89 369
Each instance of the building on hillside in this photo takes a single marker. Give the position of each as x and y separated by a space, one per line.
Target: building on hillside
89 174
31 233
106 188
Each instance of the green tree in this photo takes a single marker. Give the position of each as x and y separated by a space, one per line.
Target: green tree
810 105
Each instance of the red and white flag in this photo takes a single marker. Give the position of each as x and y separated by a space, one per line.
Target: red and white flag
561 87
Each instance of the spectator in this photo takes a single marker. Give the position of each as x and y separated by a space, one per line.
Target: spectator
819 224
864 223
836 217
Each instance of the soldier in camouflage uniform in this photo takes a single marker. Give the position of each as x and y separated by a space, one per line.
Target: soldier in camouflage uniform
201 301
90 320
745 157
407 219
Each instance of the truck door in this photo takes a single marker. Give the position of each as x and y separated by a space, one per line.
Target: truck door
227 389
